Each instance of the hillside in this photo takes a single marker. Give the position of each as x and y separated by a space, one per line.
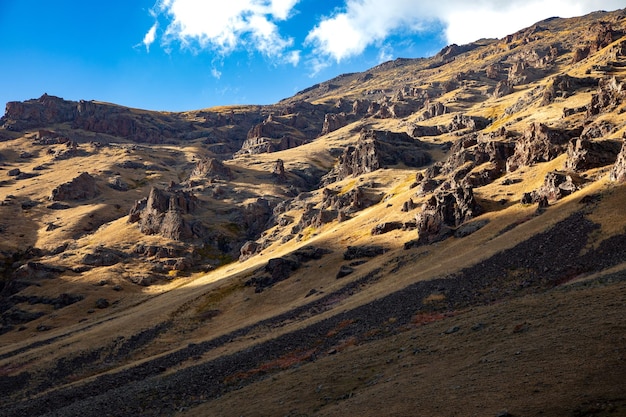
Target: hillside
434 236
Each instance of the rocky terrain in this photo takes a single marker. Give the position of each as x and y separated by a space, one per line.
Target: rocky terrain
440 236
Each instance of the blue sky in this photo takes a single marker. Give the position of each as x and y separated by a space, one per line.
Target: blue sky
189 54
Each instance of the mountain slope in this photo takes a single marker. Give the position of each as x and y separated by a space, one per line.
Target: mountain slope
443 228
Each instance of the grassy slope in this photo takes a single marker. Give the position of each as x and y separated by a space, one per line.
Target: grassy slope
539 366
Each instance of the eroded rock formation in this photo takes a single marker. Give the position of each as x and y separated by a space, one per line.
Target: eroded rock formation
83 187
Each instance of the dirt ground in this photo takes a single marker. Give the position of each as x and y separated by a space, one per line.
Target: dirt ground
561 353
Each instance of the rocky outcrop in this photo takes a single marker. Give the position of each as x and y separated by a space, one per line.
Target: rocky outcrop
386 227
334 121
44 111
351 201
447 209
609 96
618 172
556 185
503 88
272 135
256 217
539 144
248 249
83 187
377 149
563 86
559 184
476 159
162 213
212 168
280 269
102 256
433 110
584 154
358 252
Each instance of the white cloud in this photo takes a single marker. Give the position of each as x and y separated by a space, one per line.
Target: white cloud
362 23
216 73
150 36
229 25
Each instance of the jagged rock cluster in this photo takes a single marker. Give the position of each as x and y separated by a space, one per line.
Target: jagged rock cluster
163 213
378 149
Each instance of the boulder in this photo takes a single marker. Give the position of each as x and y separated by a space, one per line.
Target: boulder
278 172
386 227
368 251
83 187
248 249
344 270
117 183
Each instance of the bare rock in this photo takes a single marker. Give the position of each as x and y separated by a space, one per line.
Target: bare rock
378 149
408 205
83 187
334 121
618 172
356 252
563 86
503 88
248 249
118 184
349 202
539 144
102 256
556 185
277 270
444 211
609 96
386 227
279 170
256 216
584 154
44 111
433 110
162 213
212 168
344 271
